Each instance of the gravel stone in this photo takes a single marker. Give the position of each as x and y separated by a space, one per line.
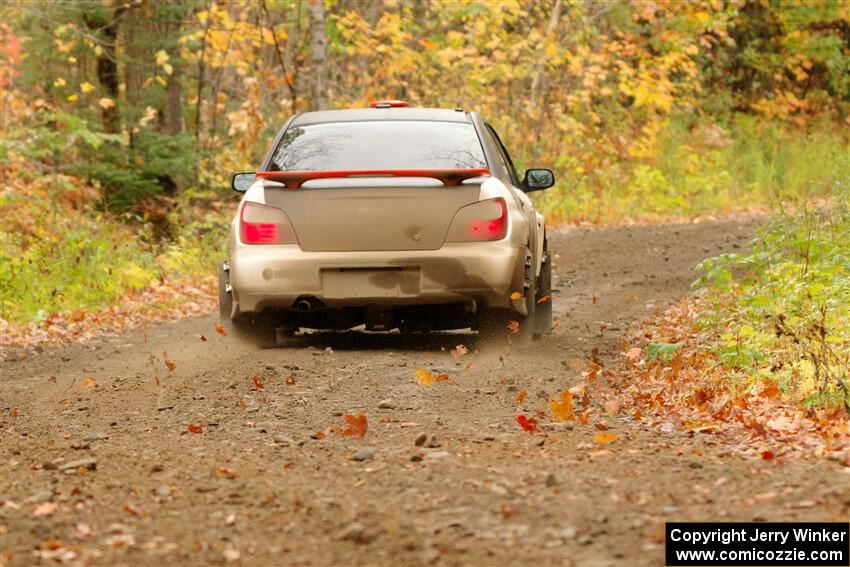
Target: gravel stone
366 454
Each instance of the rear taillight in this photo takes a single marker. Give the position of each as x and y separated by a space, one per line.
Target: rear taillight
485 220
260 224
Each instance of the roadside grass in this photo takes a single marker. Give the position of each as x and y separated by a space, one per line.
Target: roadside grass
60 255
762 349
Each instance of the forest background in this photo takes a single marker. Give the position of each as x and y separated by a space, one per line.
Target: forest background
123 120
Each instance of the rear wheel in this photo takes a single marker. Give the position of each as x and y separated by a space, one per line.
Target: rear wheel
260 329
543 297
497 325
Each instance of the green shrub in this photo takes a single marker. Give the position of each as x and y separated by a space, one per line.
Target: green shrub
782 312
80 267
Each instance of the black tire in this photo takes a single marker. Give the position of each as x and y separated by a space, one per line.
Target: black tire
494 325
257 328
543 311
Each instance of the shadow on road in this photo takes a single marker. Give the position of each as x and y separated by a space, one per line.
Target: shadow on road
355 340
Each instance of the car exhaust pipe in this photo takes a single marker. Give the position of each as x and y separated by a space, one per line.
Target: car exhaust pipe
307 304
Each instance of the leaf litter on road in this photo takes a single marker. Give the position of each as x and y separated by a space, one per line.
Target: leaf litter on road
355 425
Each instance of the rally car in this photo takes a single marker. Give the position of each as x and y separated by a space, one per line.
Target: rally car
390 217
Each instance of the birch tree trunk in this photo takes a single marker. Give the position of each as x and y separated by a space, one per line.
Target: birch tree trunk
318 53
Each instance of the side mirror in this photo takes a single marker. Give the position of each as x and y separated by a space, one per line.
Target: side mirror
242 181
538 179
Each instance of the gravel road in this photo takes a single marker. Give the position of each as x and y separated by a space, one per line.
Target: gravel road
99 465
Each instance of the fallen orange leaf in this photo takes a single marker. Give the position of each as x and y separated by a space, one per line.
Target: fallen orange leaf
605 437
521 396
225 472
169 364
513 326
90 382
195 428
257 384
563 410
459 351
633 353
612 406
355 425
442 377
424 377
592 370
220 330
770 390
544 299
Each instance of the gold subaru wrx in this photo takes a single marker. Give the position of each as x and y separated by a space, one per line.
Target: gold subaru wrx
389 217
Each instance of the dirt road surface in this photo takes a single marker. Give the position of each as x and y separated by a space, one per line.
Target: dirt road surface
257 487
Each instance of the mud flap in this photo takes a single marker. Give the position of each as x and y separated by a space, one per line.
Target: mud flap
543 297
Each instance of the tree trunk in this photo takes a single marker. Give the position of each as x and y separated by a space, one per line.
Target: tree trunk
174 103
107 64
541 57
137 54
318 53
289 77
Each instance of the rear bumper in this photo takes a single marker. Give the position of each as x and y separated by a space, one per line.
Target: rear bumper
265 276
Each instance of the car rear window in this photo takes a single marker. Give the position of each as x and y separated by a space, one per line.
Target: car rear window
379 145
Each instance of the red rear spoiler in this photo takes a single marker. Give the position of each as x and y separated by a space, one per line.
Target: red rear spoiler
451 177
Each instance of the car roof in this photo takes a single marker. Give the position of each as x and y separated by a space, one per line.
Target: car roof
380 114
